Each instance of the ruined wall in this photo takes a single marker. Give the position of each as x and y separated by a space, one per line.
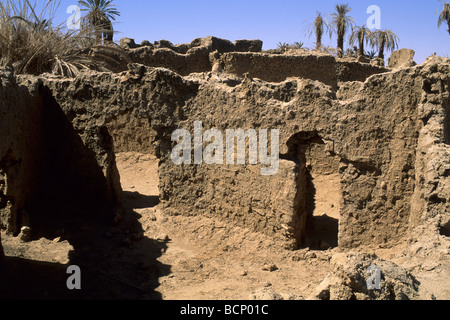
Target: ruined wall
185 59
378 183
132 134
372 128
279 67
376 147
431 200
21 131
355 71
374 133
403 58
51 178
196 60
244 56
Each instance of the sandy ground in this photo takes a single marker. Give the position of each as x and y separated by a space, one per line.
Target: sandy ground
153 256
212 261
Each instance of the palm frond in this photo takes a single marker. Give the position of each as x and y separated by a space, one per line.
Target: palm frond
444 16
30 43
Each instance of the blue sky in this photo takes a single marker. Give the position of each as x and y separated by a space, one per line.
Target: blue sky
273 21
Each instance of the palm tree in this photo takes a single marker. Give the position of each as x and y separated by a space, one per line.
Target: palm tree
318 28
360 35
370 54
384 40
444 17
28 16
98 19
37 26
341 22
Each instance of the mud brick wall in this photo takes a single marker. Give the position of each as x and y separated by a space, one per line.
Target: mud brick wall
347 71
373 129
52 176
277 68
188 58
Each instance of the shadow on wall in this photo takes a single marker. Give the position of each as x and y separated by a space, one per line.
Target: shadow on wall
321 232
73 201
72 187
318 191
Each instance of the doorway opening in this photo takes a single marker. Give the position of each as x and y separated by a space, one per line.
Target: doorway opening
323 197
319 189
136 160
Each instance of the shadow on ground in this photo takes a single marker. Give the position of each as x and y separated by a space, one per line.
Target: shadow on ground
116 262
139 201
322 232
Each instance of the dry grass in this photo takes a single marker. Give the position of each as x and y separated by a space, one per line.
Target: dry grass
30 43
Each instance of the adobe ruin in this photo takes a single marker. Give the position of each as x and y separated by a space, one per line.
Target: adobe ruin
382 136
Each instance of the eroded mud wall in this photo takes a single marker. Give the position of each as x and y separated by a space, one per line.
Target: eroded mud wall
51 175
375 145
373 129
21 144
431 200
347 71
245 56
186 58
277 68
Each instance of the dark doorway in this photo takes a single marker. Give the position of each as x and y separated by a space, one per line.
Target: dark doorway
319 189
323 197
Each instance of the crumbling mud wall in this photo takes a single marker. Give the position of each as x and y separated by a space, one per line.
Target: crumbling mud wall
375 145
402 58
373 128
430 212
378 183
374 131
185 58
370 131
52 177
21 131
245 56
347 71
277 68
133 106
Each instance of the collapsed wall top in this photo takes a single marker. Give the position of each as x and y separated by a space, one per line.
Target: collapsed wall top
246 56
